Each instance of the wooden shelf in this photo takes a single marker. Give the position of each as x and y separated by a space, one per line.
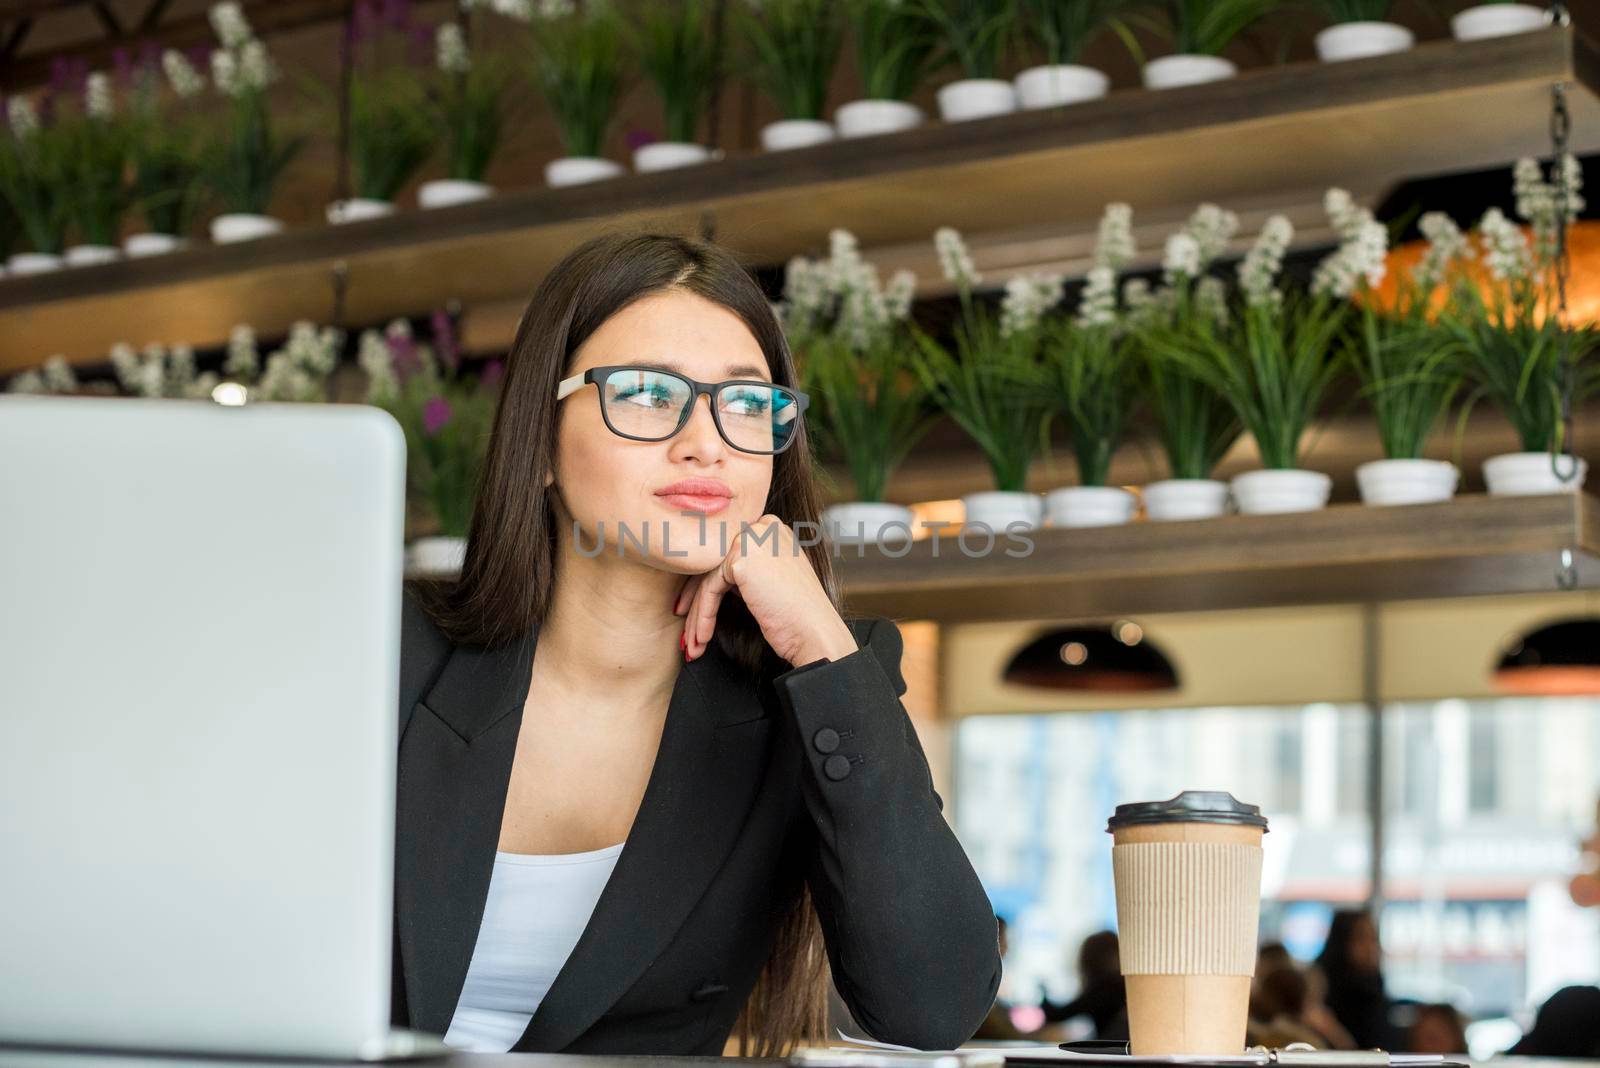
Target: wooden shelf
1343 554
1289 130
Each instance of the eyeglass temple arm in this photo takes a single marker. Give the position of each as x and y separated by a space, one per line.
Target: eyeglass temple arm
569 386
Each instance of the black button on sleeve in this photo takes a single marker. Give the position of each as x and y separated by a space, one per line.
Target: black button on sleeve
826 740
836 767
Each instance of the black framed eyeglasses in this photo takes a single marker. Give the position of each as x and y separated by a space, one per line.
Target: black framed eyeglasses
653 404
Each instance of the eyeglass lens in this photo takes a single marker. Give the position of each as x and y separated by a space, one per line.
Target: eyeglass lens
648 404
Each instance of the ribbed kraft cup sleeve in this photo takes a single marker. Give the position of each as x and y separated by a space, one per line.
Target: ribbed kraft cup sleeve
1187 908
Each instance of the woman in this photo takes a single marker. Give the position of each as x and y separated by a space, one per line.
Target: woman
1351 967
652 786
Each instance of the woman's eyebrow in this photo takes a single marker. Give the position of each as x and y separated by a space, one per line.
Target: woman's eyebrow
743 370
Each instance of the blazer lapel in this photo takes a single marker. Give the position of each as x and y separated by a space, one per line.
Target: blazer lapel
455 766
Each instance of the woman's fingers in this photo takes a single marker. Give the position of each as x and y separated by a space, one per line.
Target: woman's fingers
703 614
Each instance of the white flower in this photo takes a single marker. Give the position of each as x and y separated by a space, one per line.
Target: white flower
225 72
1182 257
450 49
97 100
181 75
243 360
1362 255
1211 298
58 376
374 358
897 296
1212 228
27 382
181 371
126 365
1446 245
1541 203
1505 249
202 386
152 377
844 260
1114 245
256 69
22 116
1026 300
1097 304
228 20
1259 270
954 259
548 9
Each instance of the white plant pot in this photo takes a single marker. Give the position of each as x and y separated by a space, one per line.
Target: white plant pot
1186 498
447 192
1055 84
575 170
1271 491
90 255
136 245
999 509
1522 474
868 118
976 98
1170 72
1089 506
796 133
664 155
358 208
868 522
1407 481
243 226
34 263
1497 20
1358 40
440 555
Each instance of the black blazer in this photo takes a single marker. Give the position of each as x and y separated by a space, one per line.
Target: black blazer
816 775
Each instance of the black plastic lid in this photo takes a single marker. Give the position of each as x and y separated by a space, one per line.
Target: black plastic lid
1191 806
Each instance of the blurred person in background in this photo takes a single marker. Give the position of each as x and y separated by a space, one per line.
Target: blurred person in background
1350 964
1568 1025
1437 1029
1102 995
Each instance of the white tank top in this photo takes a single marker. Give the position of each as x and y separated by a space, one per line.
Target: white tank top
536 909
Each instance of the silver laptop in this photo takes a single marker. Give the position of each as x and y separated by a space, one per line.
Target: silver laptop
199 670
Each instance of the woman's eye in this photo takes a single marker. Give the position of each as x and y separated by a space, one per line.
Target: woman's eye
646 398
746 404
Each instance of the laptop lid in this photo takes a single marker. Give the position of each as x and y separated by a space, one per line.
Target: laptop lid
199 661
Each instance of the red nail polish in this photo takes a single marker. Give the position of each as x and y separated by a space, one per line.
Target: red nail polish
682 640
686 656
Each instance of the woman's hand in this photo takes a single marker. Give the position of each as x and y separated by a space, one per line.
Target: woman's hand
779 586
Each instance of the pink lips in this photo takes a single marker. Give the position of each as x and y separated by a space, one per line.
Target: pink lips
706 495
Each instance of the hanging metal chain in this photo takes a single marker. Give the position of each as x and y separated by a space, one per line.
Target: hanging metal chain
1560 133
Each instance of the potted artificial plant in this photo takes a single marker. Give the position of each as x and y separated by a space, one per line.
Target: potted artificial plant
1409 369
990 386
1510 340
1200 30
578 62
1064 29
974 33
1496 19
98 194
249 156
678 52
850 337
169 165
34 161
1273 361
1195 424
894 49
446 418
794 47
466 109
390 133
1361 28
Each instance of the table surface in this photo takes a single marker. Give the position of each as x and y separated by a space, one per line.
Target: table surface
19 1058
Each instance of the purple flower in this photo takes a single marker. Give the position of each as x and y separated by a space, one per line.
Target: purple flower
403 355
420 46
435 414
122 64
396 13
638 138
363 23
492 374
444 340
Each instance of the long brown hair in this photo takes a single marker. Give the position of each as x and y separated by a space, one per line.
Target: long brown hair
509 573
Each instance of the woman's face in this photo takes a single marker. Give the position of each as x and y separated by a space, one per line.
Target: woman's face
604 478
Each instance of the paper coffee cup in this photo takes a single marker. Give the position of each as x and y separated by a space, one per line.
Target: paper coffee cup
1188 879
